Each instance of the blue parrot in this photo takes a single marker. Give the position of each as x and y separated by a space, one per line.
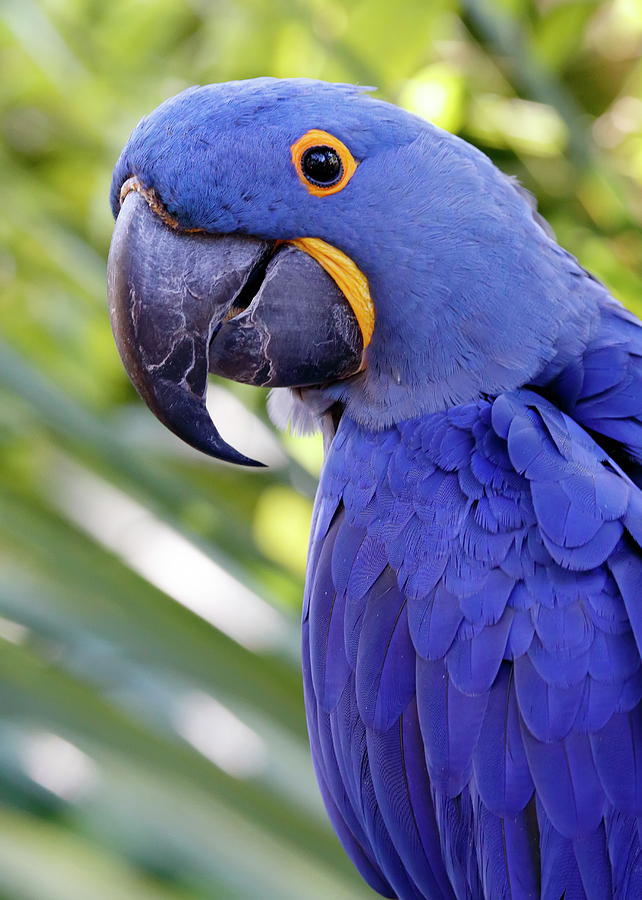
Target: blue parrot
472 622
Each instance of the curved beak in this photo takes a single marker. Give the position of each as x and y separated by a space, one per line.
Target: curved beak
182 304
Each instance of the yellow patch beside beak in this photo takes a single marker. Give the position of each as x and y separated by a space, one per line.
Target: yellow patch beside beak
347 276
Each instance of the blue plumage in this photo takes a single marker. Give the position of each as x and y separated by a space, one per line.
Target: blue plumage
472 621
499 639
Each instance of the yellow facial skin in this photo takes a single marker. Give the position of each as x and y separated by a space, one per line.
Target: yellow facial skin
348 277
317 138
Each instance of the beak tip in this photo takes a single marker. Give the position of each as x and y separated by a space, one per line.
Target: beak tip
251 463
212 444
227 453
186 415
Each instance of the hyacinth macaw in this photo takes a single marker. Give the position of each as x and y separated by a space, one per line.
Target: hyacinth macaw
472 623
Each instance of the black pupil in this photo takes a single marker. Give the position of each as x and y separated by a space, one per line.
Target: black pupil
322 166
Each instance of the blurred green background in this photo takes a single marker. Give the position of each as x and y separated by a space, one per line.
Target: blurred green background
152 738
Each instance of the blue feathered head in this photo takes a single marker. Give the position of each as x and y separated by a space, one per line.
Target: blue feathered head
300 233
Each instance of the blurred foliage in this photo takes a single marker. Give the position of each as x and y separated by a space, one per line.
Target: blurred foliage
152 740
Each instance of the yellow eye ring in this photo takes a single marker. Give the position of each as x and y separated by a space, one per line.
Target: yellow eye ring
317 150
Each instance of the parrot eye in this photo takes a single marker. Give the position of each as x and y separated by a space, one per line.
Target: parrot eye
323 162
322 166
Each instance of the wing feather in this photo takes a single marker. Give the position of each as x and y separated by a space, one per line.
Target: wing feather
472 648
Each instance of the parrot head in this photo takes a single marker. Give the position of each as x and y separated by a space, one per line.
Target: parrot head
295 233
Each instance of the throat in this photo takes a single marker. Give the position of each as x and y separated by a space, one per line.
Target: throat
305 411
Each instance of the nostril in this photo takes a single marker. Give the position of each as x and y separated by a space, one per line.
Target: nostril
130 184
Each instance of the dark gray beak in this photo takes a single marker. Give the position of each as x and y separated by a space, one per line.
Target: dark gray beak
253 311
